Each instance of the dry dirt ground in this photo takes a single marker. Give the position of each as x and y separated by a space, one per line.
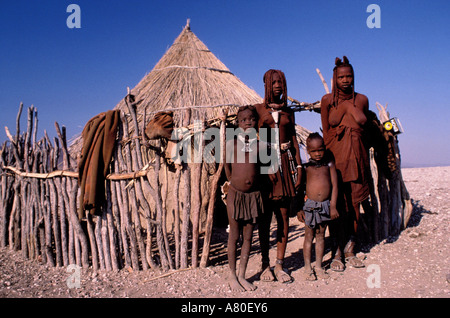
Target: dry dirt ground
413 264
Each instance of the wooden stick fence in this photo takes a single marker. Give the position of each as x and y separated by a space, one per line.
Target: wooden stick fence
39 191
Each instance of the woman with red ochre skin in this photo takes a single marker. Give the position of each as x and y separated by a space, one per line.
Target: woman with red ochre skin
344 114
285 182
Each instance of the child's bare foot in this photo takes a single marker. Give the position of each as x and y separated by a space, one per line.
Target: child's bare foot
234 284
246 284
266 274
309 274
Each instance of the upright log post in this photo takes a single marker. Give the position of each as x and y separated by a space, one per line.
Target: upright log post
116 196
122 191
47 166
187 201
196 168
4 194
212 199
92 242
176 207
111 229
133 198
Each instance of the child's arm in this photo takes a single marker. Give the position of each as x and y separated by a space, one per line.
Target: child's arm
301 198
334 214
229 149
301 216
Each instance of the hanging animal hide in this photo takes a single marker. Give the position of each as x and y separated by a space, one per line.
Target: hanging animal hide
160 126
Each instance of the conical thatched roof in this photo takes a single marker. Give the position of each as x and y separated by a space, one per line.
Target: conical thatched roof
189 74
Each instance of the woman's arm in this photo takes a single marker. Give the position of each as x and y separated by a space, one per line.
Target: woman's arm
298 158
324 108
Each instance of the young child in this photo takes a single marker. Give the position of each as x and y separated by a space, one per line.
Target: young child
320 206
244 200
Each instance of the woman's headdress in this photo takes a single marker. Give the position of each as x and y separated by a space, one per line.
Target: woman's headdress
335 91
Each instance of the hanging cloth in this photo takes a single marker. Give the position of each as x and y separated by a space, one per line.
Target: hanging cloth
99 137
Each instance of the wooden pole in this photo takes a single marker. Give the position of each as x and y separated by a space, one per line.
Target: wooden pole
327 90
78 230
212 200
92 243
163 192
113 242
133 198
4 195
116 196
122 191
187 202
105 238
176 207
47 206
196 168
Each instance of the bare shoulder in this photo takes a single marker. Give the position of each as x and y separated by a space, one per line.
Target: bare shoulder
326 99
259 107
361 99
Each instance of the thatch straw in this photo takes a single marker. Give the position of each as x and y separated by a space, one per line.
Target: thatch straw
189 74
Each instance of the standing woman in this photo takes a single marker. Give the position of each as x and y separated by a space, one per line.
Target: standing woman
285 182
344 114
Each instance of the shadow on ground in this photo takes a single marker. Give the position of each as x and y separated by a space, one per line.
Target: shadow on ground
294 260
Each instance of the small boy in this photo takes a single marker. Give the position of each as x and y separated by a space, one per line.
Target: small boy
244 200
320 206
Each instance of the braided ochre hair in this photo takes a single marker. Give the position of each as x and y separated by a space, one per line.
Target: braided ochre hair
268 94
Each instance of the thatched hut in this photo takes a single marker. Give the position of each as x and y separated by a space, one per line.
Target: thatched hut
193 83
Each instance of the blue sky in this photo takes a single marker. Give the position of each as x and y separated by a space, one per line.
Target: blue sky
71 75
